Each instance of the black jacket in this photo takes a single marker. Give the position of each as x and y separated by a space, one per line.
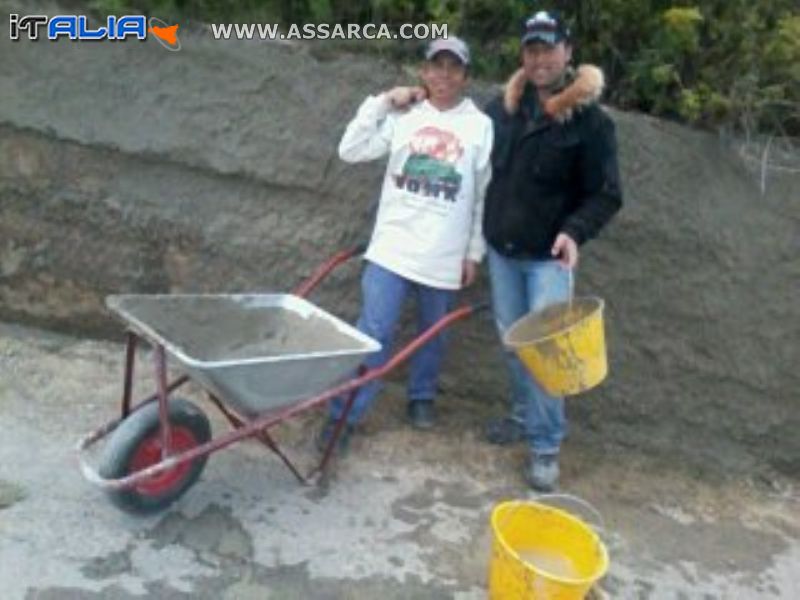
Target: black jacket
550 174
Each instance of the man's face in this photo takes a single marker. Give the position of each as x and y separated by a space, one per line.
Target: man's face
445 76
544 64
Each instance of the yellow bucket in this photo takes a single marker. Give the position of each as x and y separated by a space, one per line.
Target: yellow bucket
563 346
540 552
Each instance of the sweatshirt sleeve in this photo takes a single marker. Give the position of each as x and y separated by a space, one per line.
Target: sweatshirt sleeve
601 189
369 135
477 246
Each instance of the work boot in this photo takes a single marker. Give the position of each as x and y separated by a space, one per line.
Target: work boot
543 472
421 414
325 434
505 431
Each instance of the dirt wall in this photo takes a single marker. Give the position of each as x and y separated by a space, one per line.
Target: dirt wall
127 168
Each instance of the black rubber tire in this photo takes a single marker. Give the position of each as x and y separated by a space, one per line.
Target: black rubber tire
115 461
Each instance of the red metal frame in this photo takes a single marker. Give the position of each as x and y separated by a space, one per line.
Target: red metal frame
130 355
242 427
305 288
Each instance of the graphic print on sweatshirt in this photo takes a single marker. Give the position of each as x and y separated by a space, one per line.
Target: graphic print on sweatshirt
430 171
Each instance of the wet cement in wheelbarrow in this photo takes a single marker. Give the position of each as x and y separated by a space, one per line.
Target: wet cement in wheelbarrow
217 329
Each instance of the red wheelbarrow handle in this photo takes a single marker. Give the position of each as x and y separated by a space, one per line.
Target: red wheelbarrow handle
426 336
305 288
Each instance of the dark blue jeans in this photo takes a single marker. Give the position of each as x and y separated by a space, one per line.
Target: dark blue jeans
383 294
519 287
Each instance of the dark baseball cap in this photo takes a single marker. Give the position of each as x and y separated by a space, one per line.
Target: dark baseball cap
451 44
545 26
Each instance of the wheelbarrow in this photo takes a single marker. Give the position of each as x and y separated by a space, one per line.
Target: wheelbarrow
260 358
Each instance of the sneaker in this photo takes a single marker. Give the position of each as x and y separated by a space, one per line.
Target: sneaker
421 414
543 472
504 431
325 434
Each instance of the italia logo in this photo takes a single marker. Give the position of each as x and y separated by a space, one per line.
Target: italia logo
76 28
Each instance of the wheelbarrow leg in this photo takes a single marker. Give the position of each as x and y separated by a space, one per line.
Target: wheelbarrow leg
337 431
130 355
163 412
263 437
132 341
267 439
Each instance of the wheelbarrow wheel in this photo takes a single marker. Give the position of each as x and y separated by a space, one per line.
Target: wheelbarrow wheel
136 444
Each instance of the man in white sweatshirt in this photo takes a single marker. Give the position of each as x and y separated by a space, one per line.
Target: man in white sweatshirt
427 239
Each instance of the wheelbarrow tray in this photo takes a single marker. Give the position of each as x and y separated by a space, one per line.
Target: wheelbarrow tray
255 352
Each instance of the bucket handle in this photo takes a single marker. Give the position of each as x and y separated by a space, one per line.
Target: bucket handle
598 525
571 293
571 284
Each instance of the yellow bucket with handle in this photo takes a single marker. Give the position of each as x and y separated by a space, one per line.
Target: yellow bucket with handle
563 345
542 552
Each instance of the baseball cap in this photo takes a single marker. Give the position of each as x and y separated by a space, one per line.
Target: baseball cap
451 44
545 26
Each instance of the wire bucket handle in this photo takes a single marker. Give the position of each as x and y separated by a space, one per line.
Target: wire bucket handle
562 501
571 284
596 522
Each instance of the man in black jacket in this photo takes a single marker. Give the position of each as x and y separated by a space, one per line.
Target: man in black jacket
555 184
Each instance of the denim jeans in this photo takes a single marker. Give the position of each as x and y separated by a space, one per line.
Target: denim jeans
519 287
383 293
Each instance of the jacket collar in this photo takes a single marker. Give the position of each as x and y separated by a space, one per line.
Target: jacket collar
582 87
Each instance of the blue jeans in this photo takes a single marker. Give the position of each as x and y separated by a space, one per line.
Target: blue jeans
519 287
383 293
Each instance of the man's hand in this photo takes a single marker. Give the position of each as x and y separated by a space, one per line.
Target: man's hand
402 97
565 250
469 271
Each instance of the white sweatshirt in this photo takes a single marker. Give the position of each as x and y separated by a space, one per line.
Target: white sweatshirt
431 205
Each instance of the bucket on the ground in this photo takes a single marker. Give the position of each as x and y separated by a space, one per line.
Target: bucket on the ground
563 346
541 552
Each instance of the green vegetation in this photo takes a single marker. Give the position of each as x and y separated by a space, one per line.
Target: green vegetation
716 62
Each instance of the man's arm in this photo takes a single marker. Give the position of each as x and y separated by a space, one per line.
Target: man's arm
476 246
483 174
601 192
369 135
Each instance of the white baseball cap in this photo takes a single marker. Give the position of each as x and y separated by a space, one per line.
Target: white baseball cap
450 44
